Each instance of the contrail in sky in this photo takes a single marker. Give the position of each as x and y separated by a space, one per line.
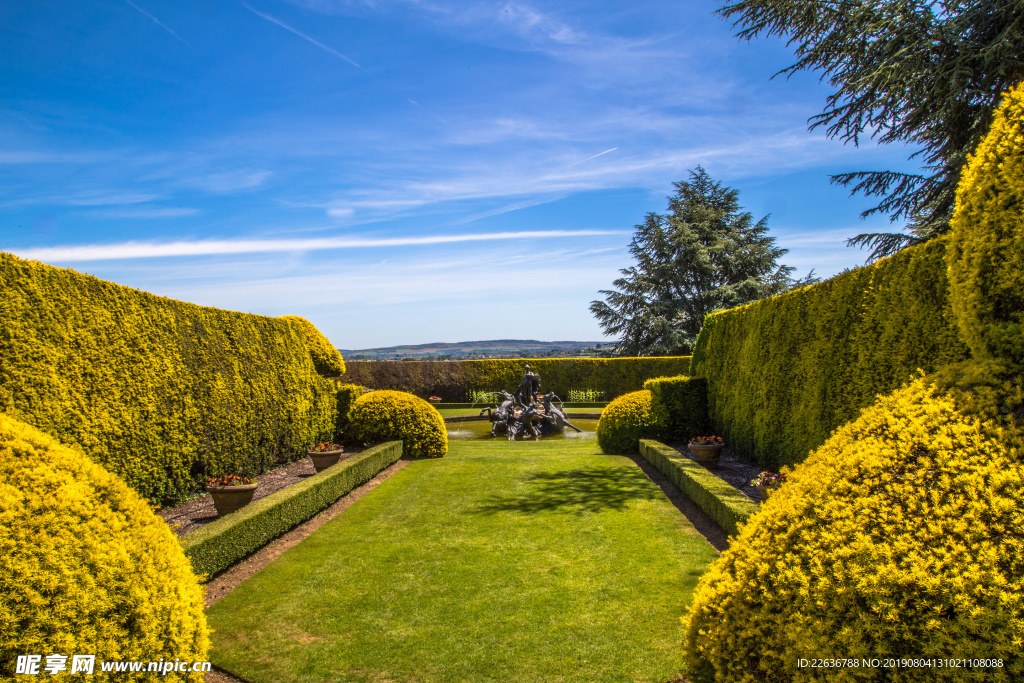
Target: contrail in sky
133 250
159 23
300 34
593 157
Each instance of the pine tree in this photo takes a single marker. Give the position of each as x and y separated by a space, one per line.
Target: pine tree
702 256
925 73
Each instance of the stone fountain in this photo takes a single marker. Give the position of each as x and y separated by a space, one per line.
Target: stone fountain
528 413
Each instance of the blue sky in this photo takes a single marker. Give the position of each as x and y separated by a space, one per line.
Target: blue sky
402 171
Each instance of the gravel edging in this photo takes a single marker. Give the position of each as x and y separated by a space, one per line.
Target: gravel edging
199 511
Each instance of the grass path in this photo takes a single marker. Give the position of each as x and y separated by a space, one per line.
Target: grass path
501 562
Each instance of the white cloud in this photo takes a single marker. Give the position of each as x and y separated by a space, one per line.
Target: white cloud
135 250
145 212
228 181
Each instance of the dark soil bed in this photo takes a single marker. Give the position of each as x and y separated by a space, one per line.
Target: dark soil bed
732 469
200 511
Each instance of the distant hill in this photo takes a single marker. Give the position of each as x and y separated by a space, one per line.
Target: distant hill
493 348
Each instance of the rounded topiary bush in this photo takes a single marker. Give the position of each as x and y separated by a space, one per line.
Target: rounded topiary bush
87 567
901 536
326 359
986 250
382 415
628 419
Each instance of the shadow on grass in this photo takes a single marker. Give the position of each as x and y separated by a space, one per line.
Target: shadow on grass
581 490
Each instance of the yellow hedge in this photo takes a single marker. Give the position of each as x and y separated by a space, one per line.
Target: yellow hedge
451 380
628 419
385 415
986 254
326 358
902 536
85 565
154 389
784 372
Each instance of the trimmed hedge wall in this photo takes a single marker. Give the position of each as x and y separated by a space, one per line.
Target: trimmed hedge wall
156 390
685 400
345 398
986 253
723 503
784 372
326 359
452 379
222 543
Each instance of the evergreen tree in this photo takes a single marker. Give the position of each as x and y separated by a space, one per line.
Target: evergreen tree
702 256
927 73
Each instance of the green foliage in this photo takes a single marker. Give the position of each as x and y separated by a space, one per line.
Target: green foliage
628 419
702 256
906 71
222 543
346 395
326 358
149 386
87 567
986 251
585 396
902 536
685 400
385 415
784 372
720 501
452 380
484 397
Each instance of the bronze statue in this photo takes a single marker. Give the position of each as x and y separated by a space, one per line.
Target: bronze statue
528 413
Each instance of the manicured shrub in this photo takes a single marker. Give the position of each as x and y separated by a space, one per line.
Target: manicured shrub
453 380
784 372
326 358
986 249
685 400
222 543
628 419
902 536
155 390
87 568
385 415
346 395
716 497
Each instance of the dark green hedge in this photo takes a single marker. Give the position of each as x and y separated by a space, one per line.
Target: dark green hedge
784 372
685 400
723 503
155 390
222 543
451 380
345 398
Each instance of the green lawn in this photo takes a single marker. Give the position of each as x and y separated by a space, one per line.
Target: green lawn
530 561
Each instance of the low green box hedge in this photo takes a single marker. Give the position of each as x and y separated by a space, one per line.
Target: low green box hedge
224 542
723 503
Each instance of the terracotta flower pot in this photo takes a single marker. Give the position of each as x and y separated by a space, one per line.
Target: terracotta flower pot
324 459
706 455
227 499
765 491
434 400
